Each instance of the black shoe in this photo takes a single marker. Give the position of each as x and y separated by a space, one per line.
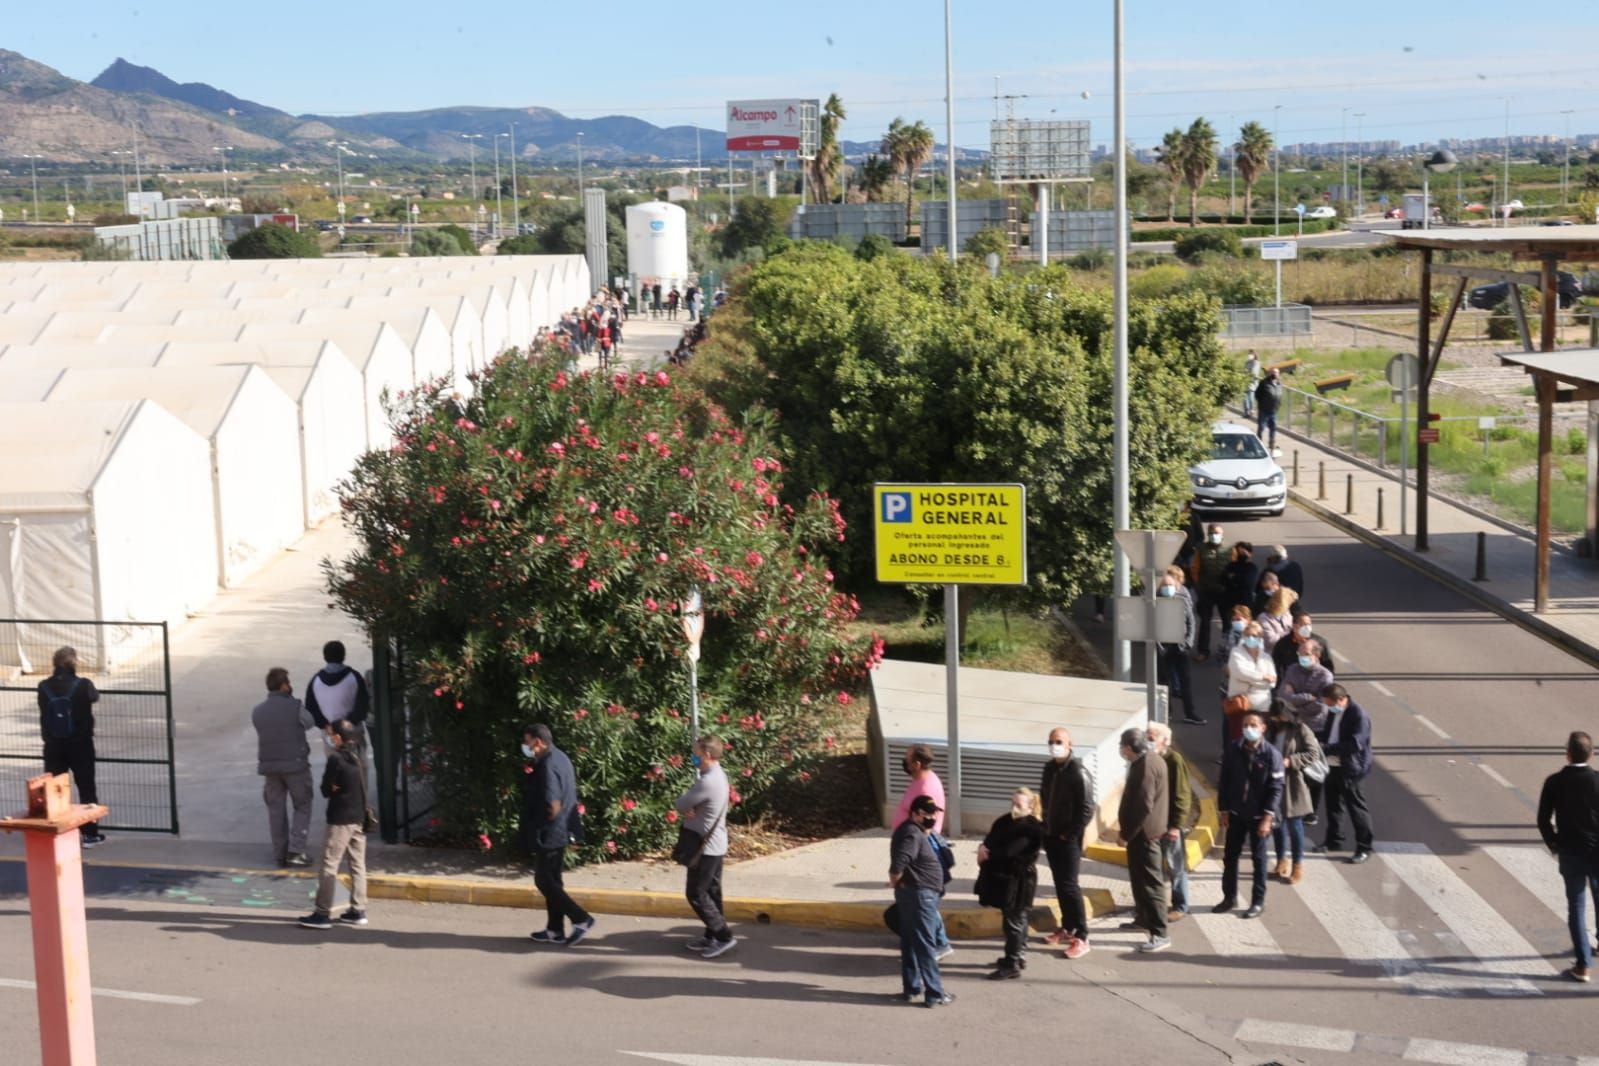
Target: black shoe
352 917
90 839
1255 910
942 1001
910 997
1311 819
316 920
1006 960
1358 857
1133 926
1005 973
1191 720
296 859
1326 849
1224 906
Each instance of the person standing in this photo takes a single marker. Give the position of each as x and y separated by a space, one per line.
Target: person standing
1301 685
1252 369
918 766
1241 577
1067 798
1268 396
1145 806
283 759
1248 794
344 785
1295 741
338 692
917 877
66 724
1568 821
704 810
1304 629
1251 677
1210 582
550 822
1173 658
1008 878
1288 571
1346 742
1182 815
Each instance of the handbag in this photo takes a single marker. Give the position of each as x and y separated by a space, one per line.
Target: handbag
1316 771
691 844
1236 705
369 817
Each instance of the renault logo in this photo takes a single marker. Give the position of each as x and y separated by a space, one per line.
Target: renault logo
1242 483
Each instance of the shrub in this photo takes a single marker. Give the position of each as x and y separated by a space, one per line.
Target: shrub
1502 323
1092 259
273 240
873 245
461 237
528 548
1192 244
1234 285
434 242
1159 281
525 244
986 240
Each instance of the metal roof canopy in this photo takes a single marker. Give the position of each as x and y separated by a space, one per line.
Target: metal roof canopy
1548 246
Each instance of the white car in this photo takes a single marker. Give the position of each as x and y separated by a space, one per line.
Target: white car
1321 212
1239 475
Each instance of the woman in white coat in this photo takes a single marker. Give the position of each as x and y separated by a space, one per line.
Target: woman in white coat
1251 676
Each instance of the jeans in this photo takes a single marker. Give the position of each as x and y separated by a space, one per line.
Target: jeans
1204 604
1343 791
1174 856
918 954
1174 672
549 877
74 756
704 893
342 840
1249 401
1286 831
1150 897
1065 864
1240 830
1015 926
1263 422
278 790
1580 871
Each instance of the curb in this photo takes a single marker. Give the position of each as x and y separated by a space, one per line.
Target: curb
1201 839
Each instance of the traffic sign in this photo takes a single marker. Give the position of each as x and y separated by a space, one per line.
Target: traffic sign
1149 549
1279 250
944 534
1427 435
1403 371
1132 619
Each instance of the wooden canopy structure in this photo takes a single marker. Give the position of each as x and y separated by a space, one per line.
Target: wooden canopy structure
1546 247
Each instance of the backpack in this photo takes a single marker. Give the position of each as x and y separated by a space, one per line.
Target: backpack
946 855
58 722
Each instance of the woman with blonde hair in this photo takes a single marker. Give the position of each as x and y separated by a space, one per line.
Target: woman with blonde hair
1251 676
1008 876
1277 620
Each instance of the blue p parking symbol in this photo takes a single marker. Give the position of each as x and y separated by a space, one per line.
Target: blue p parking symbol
896 507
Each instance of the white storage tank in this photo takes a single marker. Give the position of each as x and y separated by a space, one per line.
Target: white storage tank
657 243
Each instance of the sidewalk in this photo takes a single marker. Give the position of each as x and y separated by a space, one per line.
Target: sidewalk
1572 621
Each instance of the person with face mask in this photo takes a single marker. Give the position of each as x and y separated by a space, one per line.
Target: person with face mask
1568 821
1265 589
1173 658
1250 679
1141 821
1068 808
1303 683
344 785
1285 651
1289 573
1277 619
917 878
1300 751
1247 798
550 822
1008 876
1346 741
1182 816
918 766
1209 570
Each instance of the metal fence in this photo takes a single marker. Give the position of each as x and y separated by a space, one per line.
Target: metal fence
1359 433
405 787
1289 320
133 735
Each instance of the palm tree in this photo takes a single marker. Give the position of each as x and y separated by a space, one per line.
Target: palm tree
1171 161
828 161
908 147
1250 156
1198 160
875 174
894 144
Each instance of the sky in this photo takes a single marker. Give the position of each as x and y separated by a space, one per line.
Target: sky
1415 71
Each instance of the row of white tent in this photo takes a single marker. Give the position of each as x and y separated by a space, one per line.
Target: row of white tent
168 427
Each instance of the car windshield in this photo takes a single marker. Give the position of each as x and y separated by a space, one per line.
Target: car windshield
1236 446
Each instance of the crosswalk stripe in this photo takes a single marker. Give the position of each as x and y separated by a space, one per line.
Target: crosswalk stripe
1537 871
1229 934
1449 1053
1292 1034
1481 930
1357 929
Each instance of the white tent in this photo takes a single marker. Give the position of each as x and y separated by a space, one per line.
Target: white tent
419 327
461 319
61 355
255 449
109 519
374 347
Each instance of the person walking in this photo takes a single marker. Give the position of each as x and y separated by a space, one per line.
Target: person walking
1173 658
1008 876
550 823
1248 795
672 300
1252 370
1210 582
344 785
283 759
1250 680
1182 815
1568 821
1346 742
1302 763
1142 816
66 724
917 877
918 766
704 811
338 692
1268 396
1067 798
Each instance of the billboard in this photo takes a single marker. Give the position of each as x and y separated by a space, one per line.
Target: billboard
772 126
1029 151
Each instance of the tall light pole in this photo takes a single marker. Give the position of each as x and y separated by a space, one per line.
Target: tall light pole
338 155
224 149
33 163
1360 158
1565 168
1232 172
1504 195
1276 173
1343 140
1120 510
949 132
122 172
499 189
516 203
580 167
471 140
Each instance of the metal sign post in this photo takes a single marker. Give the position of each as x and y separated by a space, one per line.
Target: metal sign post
1146 617
694 629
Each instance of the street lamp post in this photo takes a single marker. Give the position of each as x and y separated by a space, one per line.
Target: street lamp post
949 153
1343 142
1120 509
122 172
1440 162
694 629
516 203
33 163
499 190
1565 171
338 155
1276 174
1504 192
471 142
580 167
1360 158
225 149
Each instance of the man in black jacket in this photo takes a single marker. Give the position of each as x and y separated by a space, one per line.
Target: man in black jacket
1268 396
66 722
1568 820
549 813
1345 738
1067 797
1248 795
344 785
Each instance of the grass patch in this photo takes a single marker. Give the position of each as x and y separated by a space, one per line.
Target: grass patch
998 636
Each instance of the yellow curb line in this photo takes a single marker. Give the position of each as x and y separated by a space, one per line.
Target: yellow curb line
1201 838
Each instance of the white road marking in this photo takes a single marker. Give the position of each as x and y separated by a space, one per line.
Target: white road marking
1288 1034
1537 871
1428 723
114 993
1497 777
1357 930
1229 934
1384 689
1452 1054
1499 949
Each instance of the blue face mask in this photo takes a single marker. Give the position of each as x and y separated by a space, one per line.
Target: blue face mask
1306 661
1166 591
694 760
1253 642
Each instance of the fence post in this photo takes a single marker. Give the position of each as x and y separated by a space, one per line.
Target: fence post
1379 508
1321 479
382 737
1382 443
1482 557
1349 494
1296 468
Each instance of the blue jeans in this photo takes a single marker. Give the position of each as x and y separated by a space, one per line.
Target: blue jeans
1580 871
918 935
1249 400
1262 423
1174 853
1285 831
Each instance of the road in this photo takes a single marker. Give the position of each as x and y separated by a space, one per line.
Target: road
1358 235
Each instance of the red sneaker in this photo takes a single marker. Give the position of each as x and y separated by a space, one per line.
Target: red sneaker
1076 949
1059 936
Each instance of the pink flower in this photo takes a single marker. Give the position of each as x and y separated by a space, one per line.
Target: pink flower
733 797
671 816
661 378
650 604
754 558
531 658
660 557
595 584
684 471
749 771
804 775
652 437
582 809
628 803
538 538
579 560
843 699
557 449
610 846
494 505
759 464
484 842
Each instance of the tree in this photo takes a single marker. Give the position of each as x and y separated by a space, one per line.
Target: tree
907 148
875 174
753 225
1171 161
1391 175
1198 159
524 244
873 246
1590 178
434 242
528 546
829 159
1251 155
460 237
272 240
986 240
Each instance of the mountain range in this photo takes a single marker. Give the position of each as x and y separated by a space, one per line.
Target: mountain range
65 120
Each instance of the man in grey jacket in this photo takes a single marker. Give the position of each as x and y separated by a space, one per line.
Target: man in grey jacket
704 810
281 723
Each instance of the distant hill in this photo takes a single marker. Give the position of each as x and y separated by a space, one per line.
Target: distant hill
125 77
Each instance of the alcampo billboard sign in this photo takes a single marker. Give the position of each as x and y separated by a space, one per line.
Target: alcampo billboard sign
765 125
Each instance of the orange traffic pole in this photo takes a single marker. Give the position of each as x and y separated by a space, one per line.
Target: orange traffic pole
60 933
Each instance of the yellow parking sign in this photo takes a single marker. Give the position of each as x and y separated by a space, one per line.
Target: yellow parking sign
943 534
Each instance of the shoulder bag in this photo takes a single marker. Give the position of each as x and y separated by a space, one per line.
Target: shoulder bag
691 844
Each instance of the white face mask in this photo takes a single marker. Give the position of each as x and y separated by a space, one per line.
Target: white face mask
1251 734
329 744
1215 538
529 753
1057 749
1304 632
